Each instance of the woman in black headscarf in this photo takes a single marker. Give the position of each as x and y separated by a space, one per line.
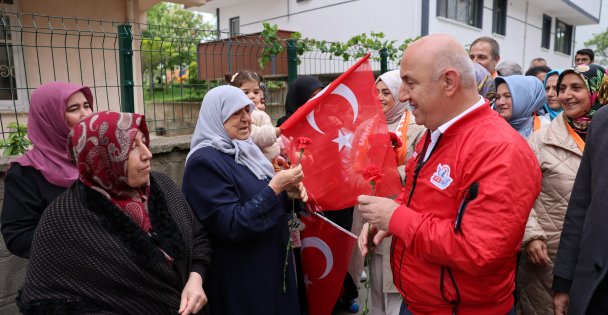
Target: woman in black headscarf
299 92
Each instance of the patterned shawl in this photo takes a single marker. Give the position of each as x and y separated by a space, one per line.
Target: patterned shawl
596 80
100 146
484 81
88 257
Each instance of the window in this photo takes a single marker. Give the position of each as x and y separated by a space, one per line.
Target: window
235 26
499 17
465 11
563 37
12 93
546 39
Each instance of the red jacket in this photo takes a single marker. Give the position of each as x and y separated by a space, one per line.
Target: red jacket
480 147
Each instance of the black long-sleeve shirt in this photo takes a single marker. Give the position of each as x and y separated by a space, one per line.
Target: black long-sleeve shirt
26 194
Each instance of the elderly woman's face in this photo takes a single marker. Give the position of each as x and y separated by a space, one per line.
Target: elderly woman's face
504 103
238 125
574 96
138 164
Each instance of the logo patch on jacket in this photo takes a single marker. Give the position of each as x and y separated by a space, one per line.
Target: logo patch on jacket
441 178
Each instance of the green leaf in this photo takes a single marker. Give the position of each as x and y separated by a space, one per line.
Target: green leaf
8 151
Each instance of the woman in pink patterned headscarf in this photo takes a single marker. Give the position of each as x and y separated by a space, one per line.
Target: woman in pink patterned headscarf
122 240
34 180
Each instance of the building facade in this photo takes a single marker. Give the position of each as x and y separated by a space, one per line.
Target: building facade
525 29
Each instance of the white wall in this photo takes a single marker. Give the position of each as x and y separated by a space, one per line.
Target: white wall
316 19
522 41
335 20
592 7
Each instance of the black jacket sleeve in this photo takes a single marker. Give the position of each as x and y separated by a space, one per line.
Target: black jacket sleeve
26 195
568 250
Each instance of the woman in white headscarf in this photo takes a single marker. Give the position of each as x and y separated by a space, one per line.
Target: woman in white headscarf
234 191
385 297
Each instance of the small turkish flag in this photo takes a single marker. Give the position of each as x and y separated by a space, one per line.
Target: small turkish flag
326 250
348 131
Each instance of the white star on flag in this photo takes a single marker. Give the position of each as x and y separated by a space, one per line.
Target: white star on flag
343 140
307 282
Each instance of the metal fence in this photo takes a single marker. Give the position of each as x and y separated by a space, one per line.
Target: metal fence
159 71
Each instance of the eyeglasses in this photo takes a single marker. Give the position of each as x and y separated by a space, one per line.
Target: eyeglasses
245 111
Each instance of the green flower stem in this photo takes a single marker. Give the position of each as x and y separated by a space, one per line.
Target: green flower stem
289 247
368 282
300 157
289 243
368 257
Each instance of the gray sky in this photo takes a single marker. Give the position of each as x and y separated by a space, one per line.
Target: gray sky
584 33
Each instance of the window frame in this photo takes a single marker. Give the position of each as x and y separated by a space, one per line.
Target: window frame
475 7
231 23
545 41
499 17
21 103
567 41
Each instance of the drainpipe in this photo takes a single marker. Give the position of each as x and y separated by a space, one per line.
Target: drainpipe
523 55
573 47
217 22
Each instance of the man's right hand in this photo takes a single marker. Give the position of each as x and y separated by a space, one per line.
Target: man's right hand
537 253
376 235
560 303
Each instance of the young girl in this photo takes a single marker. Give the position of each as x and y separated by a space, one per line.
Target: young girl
263 133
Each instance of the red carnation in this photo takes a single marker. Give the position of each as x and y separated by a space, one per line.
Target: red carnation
373 174
395 141
302 143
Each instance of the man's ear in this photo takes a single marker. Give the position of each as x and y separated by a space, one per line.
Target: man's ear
451 81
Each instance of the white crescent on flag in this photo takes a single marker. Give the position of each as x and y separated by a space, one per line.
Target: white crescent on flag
322 246
343 91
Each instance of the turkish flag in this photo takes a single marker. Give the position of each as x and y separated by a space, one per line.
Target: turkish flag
348 131
326 250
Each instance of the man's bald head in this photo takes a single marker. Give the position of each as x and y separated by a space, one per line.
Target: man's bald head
438 79
441 52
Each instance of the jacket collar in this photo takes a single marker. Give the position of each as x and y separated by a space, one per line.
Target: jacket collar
557 135
476 116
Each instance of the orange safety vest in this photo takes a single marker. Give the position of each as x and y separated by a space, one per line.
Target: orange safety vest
401 132
537 123
579 141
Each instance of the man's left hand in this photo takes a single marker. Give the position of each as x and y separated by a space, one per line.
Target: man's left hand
377 210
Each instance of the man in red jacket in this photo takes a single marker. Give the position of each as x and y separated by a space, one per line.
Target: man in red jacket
458 224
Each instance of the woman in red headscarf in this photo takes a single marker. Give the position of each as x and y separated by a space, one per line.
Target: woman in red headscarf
122 239
34 180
